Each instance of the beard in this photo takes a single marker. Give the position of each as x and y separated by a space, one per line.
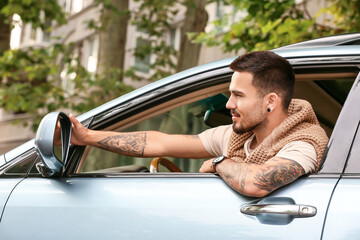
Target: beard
241 129
257 119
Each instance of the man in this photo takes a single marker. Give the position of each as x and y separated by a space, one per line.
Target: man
273 139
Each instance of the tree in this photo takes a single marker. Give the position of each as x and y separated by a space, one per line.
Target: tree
25 73
31 81
271 24
195 21
30 74
154 18
5 31
112 35
39 13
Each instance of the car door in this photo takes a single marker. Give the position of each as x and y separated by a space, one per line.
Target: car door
139 206
12 173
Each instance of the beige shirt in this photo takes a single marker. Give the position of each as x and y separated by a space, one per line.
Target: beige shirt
216 141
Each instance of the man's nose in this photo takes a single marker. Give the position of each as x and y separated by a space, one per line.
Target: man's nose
230 103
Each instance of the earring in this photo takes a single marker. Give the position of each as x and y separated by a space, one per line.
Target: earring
269 110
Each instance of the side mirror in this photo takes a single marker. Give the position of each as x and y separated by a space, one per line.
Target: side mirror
50 165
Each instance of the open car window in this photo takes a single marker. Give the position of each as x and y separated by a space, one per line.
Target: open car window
190 117
200 110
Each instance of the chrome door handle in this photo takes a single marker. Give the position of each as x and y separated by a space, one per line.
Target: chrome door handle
287 209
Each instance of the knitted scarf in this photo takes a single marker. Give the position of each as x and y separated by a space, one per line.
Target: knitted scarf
301 125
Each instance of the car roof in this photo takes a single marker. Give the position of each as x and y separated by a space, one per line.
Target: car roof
324 51
337 40
341 45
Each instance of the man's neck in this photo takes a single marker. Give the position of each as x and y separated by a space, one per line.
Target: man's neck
262 131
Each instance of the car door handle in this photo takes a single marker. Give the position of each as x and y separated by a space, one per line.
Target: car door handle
294 210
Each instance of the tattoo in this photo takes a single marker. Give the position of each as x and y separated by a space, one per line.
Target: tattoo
132 144
279 175
243 178
238 182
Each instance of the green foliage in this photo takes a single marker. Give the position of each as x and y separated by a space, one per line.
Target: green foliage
26 85
100 88
346 15
32 82
264 24
38 81
153 18
37 12
106 7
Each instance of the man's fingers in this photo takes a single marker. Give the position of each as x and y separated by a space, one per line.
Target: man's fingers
73 120
207 167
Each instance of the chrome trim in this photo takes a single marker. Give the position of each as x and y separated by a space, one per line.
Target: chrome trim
287 209
146 175
341 60
2 160
351 50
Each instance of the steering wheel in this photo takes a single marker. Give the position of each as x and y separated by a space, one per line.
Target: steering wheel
154 165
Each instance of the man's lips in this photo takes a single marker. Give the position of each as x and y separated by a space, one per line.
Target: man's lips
234 115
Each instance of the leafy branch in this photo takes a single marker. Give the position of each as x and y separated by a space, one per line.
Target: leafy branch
266 24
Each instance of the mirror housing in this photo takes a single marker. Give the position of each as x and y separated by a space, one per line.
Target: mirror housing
50 165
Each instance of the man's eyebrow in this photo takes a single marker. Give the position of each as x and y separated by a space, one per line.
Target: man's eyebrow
237 92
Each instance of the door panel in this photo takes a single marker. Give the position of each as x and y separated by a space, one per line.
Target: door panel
6 186
343 217
202 207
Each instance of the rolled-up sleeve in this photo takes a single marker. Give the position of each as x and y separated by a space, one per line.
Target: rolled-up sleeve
301 152
216 140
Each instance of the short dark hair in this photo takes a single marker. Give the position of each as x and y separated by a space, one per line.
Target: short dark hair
271 73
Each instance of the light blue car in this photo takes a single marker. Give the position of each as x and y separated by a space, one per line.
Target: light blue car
95 194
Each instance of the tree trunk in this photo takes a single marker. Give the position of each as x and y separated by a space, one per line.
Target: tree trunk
113 39
5 31
195 21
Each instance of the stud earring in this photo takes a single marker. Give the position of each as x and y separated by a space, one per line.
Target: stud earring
269 110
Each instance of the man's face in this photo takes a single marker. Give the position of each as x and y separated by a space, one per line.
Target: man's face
247 107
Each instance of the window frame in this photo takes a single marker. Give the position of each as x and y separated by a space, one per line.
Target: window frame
334 166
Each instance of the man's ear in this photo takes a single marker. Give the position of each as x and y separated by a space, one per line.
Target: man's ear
272 101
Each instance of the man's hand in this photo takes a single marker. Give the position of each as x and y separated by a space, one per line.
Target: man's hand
79 133
57 135
207 167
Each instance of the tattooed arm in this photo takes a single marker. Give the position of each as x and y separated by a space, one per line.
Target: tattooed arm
144 144
257 180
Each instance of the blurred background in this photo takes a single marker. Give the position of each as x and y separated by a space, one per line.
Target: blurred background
74 55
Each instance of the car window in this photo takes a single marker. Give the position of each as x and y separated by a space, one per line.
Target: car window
20 166
326 92
326 95
186 119
33 171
